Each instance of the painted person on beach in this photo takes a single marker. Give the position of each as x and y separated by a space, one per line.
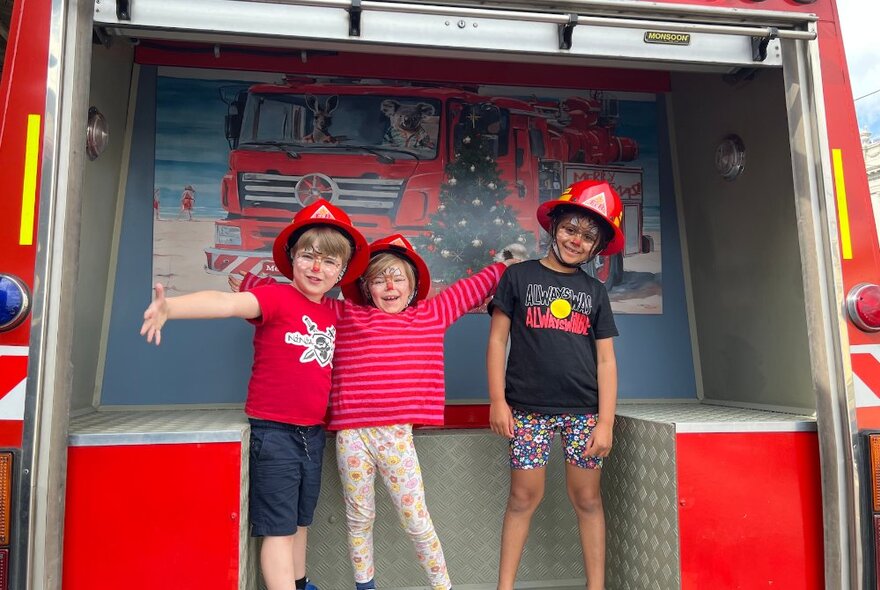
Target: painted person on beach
561 373
294 340
187 202
387 377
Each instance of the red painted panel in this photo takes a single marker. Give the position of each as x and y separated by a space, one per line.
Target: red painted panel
868 418
400 67
750 510
22 92
823 8
843 134
467 416
152 516
10 433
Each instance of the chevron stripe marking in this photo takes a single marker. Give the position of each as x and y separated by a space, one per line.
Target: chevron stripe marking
13 369
867 367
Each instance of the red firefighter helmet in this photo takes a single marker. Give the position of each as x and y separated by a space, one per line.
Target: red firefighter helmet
322 213
396 244
598 198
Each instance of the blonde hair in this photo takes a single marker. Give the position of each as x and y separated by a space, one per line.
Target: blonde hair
325 240
377 267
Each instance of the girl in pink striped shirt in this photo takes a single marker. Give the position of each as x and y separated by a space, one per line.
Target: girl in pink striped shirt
387 377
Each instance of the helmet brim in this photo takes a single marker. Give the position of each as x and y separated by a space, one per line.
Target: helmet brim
360 255
355 294
614 245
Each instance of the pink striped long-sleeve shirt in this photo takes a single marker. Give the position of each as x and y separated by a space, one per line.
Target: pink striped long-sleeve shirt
388 368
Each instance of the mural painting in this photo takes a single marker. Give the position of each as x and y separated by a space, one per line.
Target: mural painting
458 170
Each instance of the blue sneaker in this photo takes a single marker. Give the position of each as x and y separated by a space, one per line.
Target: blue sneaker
310 586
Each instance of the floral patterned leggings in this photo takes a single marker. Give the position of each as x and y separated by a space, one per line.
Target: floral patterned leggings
389 450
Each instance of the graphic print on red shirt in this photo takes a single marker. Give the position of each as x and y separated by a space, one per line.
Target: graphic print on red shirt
294 342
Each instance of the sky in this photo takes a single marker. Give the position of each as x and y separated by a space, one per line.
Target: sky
858 22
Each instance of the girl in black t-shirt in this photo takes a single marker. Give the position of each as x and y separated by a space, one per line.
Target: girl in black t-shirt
561 372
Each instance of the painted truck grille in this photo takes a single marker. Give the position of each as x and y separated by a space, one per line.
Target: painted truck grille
368 196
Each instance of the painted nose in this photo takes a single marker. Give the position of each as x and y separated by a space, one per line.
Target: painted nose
389 283
316 265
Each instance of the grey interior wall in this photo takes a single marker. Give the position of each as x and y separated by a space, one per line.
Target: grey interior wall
742 242
110 82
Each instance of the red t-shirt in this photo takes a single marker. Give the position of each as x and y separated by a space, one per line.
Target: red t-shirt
293 357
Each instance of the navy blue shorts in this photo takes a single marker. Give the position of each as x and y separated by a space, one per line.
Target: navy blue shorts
285 476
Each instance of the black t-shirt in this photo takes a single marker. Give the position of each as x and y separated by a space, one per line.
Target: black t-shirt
555 320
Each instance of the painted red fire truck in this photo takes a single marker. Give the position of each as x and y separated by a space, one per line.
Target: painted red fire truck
746 452
291 145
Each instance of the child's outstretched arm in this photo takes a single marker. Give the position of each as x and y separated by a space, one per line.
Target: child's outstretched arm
466 294
600 441
198 305
500 416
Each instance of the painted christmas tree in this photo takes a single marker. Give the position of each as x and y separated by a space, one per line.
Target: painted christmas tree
472 223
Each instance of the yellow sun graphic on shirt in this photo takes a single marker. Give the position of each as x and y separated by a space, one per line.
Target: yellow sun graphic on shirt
560 308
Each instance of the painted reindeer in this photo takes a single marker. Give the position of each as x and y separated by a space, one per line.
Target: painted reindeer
322 119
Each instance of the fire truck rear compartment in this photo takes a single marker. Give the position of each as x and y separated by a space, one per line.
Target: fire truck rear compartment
713 390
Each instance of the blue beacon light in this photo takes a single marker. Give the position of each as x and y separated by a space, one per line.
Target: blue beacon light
15 302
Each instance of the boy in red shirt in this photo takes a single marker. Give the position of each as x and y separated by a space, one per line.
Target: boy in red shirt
289 387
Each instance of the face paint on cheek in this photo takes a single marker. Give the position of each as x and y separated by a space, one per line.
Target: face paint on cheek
388 275
587 227
342 272
575 220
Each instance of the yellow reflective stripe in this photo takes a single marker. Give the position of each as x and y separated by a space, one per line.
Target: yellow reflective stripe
29 188
842 212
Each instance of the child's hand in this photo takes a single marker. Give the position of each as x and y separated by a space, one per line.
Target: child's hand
599 444
155 316
512 253
234 280
501 419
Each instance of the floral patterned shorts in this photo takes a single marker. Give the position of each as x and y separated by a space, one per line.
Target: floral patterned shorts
533 433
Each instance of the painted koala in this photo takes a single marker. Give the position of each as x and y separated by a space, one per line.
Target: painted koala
406 130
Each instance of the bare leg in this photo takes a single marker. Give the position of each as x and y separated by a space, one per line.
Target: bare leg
299 552
526 492
275 559
586 497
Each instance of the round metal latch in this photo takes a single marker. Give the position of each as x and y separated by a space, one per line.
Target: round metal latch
15 302
730 157
97 134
